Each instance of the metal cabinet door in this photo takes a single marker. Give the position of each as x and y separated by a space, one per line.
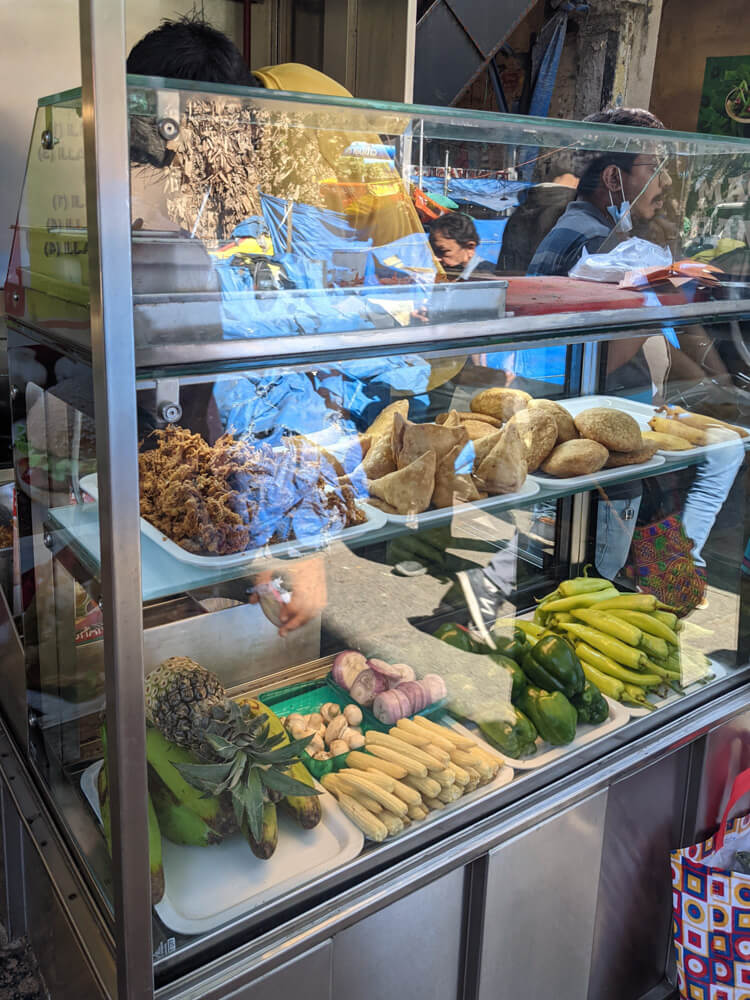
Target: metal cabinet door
409 949
307 977
540 907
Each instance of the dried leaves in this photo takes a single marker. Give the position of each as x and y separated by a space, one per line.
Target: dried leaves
228 153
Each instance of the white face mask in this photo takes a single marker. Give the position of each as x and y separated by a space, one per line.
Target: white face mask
621 215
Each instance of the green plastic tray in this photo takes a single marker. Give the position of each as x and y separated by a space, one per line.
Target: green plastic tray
307 697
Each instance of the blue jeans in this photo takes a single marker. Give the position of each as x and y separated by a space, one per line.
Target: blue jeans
714 477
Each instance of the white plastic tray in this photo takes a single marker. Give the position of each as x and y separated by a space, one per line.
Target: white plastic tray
497 502
657 702
545 754
375 519
642 412
204 887
503 777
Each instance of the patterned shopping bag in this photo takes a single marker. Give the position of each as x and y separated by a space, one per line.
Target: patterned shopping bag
711 911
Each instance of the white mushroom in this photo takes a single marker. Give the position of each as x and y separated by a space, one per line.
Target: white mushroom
336 729
329 711
354 739
315 720
353 715
322 755
339 747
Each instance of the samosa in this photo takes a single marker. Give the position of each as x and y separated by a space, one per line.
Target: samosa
412 440
379 460
409 490
504 470
383 423
452 485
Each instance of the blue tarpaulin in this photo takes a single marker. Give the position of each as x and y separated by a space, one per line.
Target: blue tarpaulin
493 192
490 238
408 257
349 394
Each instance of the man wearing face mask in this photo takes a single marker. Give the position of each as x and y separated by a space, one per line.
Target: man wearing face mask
610 184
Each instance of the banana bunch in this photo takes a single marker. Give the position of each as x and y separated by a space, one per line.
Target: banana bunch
629 645
185 815
189 816
154 834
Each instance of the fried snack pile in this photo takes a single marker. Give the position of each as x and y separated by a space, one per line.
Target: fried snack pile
233 496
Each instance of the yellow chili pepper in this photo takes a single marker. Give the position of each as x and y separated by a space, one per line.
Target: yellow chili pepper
621 630
608 666
618 651
649 623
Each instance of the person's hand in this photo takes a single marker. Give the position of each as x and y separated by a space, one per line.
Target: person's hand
307 579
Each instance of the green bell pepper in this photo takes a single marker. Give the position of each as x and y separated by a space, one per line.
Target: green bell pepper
552 665
590 705
460 637
514 648
519 677
514 739
552 714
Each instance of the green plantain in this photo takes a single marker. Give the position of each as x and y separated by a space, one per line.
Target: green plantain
304 808
265 845
154 834
177 821
215 811
239 756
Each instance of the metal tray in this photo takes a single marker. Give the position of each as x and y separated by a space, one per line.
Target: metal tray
636 713
585 733
375 520
204 887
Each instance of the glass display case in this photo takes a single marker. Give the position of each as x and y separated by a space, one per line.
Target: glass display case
389 526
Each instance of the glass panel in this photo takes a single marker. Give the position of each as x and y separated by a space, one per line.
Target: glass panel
317 216
47 282
260 215
411 504
412 509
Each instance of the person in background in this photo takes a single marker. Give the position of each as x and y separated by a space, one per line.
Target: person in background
454 240
191 49
607 182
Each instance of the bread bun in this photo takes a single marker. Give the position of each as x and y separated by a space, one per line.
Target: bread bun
566 429
538 431
575 458
616 430
500 403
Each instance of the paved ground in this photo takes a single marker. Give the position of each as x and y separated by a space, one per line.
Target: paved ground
18 980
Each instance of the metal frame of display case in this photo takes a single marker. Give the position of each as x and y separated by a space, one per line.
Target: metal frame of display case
121 954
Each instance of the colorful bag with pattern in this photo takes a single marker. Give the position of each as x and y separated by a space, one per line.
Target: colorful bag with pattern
661 563
711 910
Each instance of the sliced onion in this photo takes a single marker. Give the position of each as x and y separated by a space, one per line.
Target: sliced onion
435 688
405 671
385 669
367 685
346 666
387 708
390 706
416 694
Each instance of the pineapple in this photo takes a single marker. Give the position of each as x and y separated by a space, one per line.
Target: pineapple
190 707
180 695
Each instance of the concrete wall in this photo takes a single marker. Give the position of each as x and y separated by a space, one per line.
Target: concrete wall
692 30
40 55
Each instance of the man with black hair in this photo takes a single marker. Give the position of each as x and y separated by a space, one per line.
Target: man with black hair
454 240
608 181
190 49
